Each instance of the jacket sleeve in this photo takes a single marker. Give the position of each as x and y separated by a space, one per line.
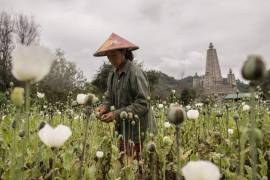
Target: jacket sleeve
107 102
140 92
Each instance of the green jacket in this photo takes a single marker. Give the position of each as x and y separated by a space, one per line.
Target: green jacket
128 90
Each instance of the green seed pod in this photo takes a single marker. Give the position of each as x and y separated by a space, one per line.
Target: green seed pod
167 141
130 116
17 96
151 147
136 117
176 114
219 114
133 123
11 84
253 68
120 136
123 115
236 117
21 133
112 108
13 124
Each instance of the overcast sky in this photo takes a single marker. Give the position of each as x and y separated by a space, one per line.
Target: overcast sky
173 35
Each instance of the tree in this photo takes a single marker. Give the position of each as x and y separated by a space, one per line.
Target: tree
100 80
265 85
63 81
27 33
187 95
27 30
153 78
6 47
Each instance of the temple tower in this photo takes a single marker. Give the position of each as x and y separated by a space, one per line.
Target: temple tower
212 64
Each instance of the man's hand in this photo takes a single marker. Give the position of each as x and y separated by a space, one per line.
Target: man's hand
109 117
101 109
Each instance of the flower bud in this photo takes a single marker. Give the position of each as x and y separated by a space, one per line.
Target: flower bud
167 141
17 96
253 68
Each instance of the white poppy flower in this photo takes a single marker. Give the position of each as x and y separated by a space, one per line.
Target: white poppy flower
201 170
167 124
95 99
87 98
160 106
31 63
230 131
99 154
199 104
40 95
246 107
193 114
173 91
82 98
54 137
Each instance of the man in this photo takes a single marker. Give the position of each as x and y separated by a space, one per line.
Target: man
127 91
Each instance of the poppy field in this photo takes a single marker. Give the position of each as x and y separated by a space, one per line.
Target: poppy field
203 140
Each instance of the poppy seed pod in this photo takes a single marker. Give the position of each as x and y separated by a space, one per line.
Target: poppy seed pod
21 133
176 114
11 84
136 117
130 116
17 96
112 108
236 117
123 115
253 68
151 147
219 114
13 124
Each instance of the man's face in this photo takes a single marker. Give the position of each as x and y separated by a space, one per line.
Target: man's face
115 57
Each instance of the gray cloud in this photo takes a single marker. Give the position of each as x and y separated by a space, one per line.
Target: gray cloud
173 35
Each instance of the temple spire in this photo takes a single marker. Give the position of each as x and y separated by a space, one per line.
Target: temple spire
212 64
211 46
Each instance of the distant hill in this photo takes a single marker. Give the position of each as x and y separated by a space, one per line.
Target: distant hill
167 83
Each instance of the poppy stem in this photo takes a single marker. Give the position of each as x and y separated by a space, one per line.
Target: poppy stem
178 177
87 119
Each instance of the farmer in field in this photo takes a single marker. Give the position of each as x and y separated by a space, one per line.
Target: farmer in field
127 91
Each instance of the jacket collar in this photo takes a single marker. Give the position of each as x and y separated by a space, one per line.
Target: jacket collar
124 69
